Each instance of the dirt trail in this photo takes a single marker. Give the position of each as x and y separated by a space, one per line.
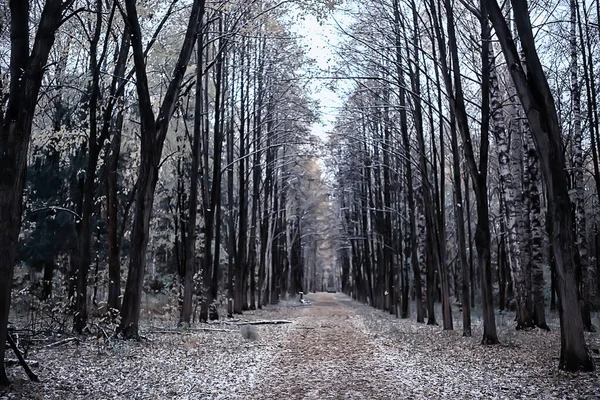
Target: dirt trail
335 348
327 354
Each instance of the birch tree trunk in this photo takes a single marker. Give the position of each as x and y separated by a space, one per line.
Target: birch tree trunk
508 189
578 183
538 104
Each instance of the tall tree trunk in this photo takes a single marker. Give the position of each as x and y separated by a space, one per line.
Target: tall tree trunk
592 106
389 245
469 233
408 260
231 233
537 242
26 73
368 268
509 192
543 121
440 189
257 137
276 233
461 239
522 280
578 180
212 192
153 134
113 242
478 173
267 218
408 167
502 262
85 230
437 251
240 303
190 239
590 85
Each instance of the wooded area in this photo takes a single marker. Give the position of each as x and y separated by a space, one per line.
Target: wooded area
176 148
460 177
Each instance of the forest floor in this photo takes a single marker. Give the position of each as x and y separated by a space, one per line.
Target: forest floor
334 348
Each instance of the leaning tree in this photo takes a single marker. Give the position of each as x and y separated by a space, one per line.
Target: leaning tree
538 103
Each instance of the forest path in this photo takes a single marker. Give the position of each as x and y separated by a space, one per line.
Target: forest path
327 354
337 348
334 348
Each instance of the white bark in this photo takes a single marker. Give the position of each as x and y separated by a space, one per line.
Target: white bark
510 191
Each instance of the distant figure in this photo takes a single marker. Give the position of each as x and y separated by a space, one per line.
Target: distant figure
249 333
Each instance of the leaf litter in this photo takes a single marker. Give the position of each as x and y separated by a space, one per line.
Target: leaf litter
334 348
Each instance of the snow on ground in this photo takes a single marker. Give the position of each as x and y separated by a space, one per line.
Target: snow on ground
334 349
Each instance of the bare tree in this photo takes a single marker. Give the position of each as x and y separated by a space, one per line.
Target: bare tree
153 134
478 171
538 104
27 67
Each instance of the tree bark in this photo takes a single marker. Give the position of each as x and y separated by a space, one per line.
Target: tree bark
113 241
212 193
190 239
26 73
461 237
592 100
578 181
89 188
509 191
240 303
153 134
478 172
538 104
536 244
414 262
256 174
437 249
231 233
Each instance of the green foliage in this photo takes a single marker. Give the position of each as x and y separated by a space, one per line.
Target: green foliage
47 217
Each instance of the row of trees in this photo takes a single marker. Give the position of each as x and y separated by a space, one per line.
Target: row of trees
175 135
466 163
